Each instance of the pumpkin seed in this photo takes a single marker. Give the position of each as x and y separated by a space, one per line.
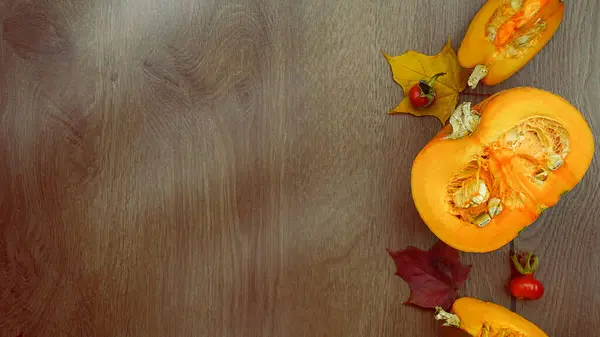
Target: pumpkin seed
511 51
485 332
494 207
541 175
516 4
514 137
522 41
482 194
475 192
540 26
482 220
491 33
554 161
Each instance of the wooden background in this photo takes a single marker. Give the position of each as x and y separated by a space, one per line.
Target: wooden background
227 168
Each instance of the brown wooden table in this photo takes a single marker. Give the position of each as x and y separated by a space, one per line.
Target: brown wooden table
227 168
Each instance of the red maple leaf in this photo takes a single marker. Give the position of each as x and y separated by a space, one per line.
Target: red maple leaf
433 276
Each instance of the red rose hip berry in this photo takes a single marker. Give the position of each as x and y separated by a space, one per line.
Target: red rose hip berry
525 286
422 95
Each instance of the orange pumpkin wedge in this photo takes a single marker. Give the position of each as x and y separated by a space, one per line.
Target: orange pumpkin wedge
505 35
479 318
497 166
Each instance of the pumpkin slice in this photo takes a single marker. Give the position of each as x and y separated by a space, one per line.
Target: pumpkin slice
505 35
479 318
497 166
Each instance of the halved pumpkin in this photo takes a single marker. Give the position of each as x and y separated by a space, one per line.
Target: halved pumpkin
505 35
498 166
479 318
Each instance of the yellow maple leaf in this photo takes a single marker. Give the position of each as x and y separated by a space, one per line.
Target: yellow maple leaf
411 67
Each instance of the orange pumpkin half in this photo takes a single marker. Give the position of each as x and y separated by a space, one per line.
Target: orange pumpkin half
497 166
505 35
479 318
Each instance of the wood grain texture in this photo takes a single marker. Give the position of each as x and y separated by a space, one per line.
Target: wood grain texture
567 238
227 168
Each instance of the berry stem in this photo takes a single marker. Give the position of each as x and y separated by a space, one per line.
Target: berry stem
535 263
528 262
434 78
527 268
517 264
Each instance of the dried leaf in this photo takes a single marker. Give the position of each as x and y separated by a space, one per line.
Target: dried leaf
411 67
433 276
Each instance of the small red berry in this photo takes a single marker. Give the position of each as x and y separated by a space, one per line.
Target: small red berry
525 286
422 95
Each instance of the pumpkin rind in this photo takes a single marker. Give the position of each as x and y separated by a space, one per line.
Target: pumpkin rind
441 159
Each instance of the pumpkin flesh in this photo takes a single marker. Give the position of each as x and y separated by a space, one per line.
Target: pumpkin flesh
479 318
506 34
523 152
